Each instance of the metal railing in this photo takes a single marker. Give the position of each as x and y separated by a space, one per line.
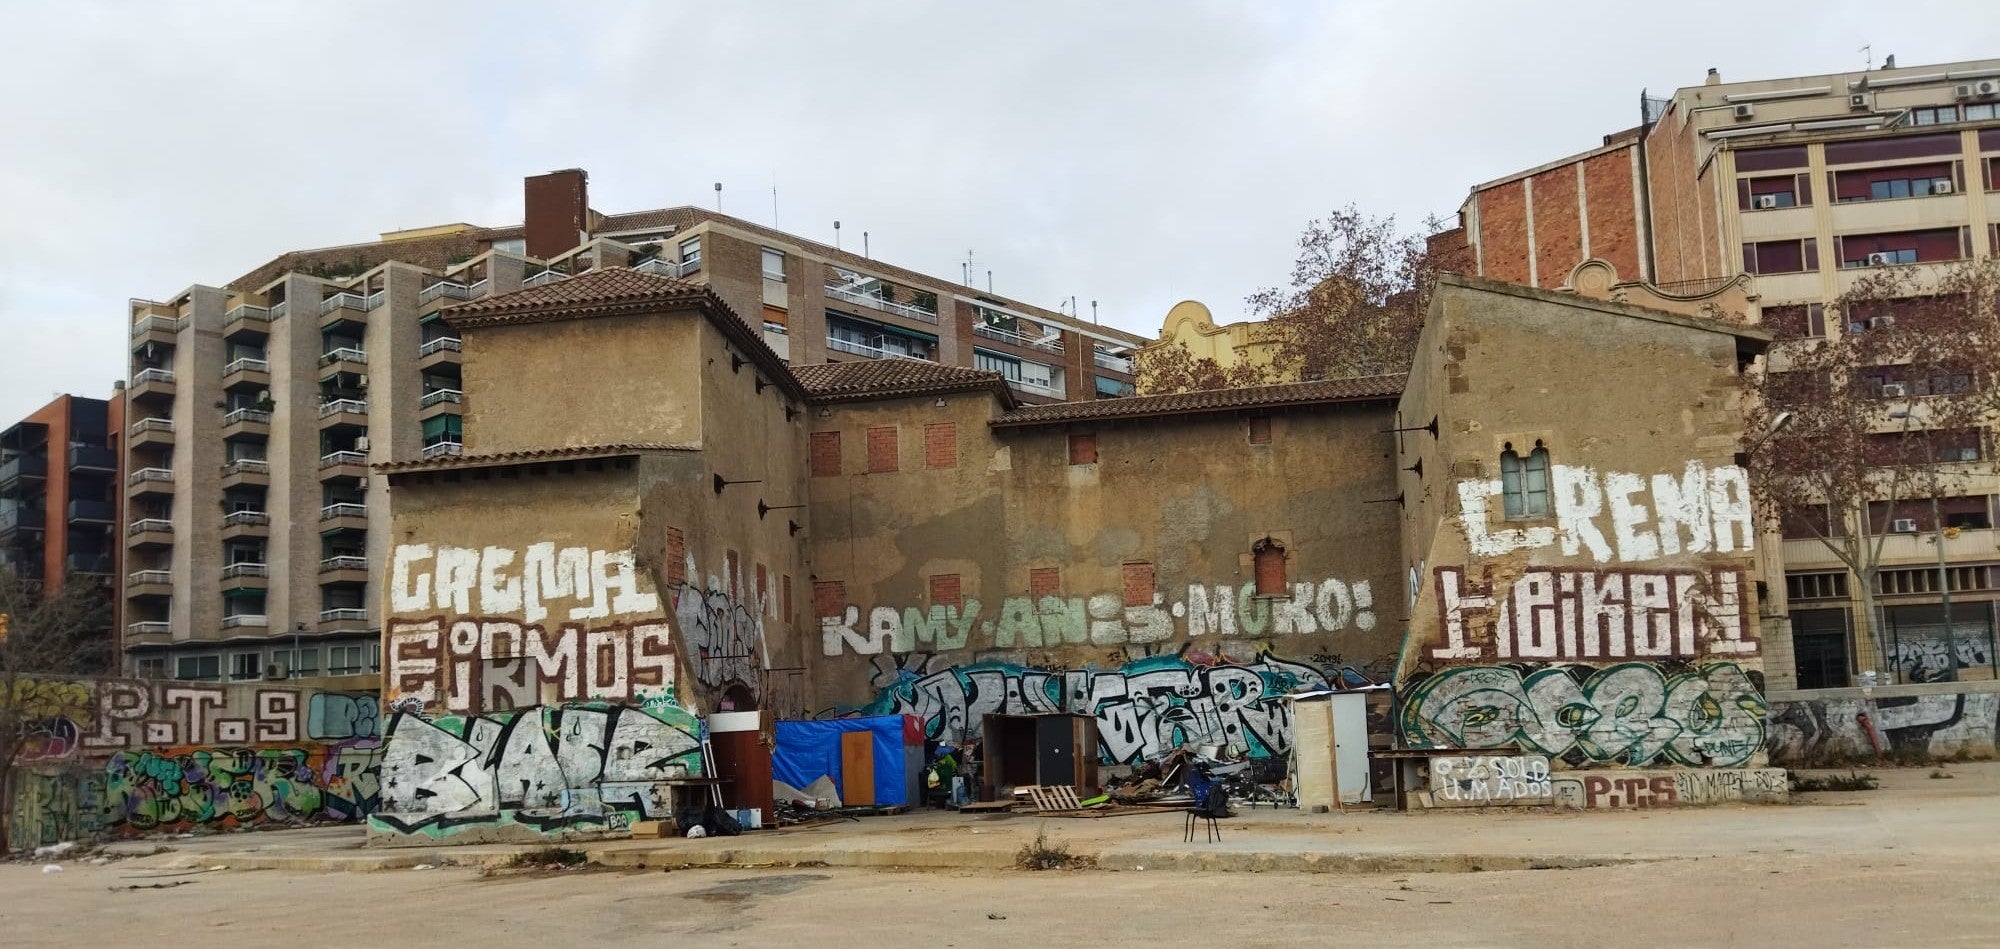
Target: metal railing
246 466
338 406
146 525
1053 344
444 288
154 374
278 310
331 564
247 311
246 364
345 298
147 324
336 458
441 344
151 474
343 509
778 328
343 354
546 276
258 416
1036 387
479 288
374 300
246 519
667 268
436 396
149 628
1113 363
444 450
153 425
917 313
343 615
138 577
245 569
245 619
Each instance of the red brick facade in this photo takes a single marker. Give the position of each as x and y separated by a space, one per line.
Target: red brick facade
941 445
1044 581
882 449
825 454
1138 584
945 590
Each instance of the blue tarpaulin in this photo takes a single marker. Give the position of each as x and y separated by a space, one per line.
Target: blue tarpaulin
809 751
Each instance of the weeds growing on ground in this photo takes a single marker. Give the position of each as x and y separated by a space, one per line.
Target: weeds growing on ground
1941 774
1851 781
548 858
1045 854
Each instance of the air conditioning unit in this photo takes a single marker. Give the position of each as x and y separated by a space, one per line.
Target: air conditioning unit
1766 201
1893 390
1941 187
275 670
1858 100
1881 322
1980 89
364 381
1962 91
1745 110
1877 260
361 443
1903 525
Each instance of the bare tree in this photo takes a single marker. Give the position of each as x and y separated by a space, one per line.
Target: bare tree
1175 368
46 638
1356 300
1869 424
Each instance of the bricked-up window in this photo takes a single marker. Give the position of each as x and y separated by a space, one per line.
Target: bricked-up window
941 445
1044 581
1524 481
829 597
734 566
1267 556
677 551
1083 448
1138 584
1260 430
825 454
785 596
881 449
763 590
945 590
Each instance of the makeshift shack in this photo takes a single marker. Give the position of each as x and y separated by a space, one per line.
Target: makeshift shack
850 762
1030 750
1330 749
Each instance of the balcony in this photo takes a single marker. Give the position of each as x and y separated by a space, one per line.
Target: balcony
443 450
343 569
154 584
343 464
246 519
150 532
92 512
151 481
1919 548
344 300
444 290
155 329
246 371
1106 360
345 355
91 563
344 412
152 383
92 458
150 433
440 350
546 276
860 298
1052 343
246 317
1038 388
246 570
246 422
23 468
343 516
246 472
148 632
343 618
19 519
278 310
245 620
667 268
840 345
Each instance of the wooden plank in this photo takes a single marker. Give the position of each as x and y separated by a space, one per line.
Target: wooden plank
857 768
976 807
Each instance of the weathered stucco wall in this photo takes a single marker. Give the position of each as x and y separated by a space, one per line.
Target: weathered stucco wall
1827 727
134 756
986 572
1618 626
581 382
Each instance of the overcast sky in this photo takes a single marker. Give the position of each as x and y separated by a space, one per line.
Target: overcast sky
1130 153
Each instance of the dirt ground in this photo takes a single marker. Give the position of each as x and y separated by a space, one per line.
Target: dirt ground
1760 900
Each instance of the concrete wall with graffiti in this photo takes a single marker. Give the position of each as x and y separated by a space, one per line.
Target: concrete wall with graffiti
132 756
1580 573
1833 726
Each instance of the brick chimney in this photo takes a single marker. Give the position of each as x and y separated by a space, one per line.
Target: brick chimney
557 211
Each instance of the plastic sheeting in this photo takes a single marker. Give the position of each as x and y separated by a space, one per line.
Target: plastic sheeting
809 751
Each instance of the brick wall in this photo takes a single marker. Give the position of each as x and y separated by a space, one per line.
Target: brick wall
1558 243
1613 213
941 445
1503 232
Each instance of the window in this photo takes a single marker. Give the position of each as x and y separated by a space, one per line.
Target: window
1008 368
829 597
1816 586
825 454
443 429
1942 115
152 668
1901 181
1109 388
691 252
306 663
1905 247
882 449
245 665
1772 257
1083 449
1799 321
1774 191
198 668
1819 645
1524 482
1260 430
1976 113
1268 561
941 445
343 660
1138 584
774 264
1044 581
945 590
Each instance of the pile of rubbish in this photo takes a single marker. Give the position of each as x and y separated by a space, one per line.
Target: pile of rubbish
1172 780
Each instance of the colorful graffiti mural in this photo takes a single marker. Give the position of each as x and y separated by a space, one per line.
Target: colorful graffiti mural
1821 731
1632 713
547 768
179 789
1144 709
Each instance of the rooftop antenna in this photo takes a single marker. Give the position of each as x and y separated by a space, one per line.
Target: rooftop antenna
718 197
1869 53
836 235
1093 311
1889 61
964 275
864 243
989 281
774 200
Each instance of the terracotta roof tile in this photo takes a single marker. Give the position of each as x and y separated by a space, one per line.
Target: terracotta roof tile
530 456
609 286
893 378
1359 389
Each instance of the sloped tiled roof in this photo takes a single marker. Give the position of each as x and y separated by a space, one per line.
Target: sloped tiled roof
610 289
530 456
894 378
1360 389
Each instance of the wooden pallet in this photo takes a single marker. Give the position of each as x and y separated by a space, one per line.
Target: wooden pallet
1054 798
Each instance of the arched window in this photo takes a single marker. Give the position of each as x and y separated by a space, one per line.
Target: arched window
1267 558
1524 482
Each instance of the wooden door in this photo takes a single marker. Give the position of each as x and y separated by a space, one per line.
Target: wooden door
857 768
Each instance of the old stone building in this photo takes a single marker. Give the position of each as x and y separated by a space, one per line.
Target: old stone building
667 522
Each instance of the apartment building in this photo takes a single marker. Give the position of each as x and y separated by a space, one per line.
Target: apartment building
1802 185
58 492
256 529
